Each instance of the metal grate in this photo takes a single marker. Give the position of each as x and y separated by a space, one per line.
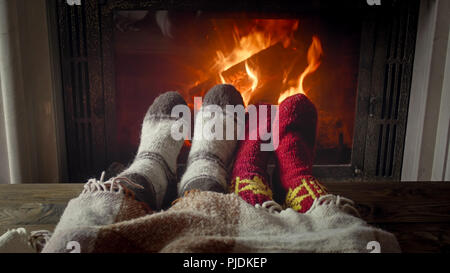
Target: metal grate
72 24
389 122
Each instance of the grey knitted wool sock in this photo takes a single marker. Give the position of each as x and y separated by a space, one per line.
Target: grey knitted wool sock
154 167
208 160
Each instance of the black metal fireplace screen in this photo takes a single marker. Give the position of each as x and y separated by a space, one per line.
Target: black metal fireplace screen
367 70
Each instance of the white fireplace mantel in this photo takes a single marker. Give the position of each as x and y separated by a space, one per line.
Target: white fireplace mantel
31 144
427 152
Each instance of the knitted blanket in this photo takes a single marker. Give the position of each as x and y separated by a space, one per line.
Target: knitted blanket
108 219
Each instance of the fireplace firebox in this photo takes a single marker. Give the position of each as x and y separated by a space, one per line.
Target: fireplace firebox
353 60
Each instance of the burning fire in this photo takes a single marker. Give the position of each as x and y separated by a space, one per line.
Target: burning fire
314 53
254 78
262 36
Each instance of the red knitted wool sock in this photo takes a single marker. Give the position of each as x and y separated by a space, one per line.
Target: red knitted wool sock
249 175
295 154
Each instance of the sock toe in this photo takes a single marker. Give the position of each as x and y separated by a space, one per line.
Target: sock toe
164 103
297 113
204 184
298 110
222 95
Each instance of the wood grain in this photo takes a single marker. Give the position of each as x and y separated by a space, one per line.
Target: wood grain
34 206
418 213
401 202
421 237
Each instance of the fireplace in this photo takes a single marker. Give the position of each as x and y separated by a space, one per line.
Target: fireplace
353 60
264 58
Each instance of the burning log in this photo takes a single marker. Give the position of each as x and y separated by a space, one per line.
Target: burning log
269 68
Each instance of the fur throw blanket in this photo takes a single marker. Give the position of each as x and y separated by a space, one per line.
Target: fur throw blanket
107 219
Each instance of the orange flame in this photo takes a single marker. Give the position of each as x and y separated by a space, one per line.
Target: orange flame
252 74
264 34
315 52
261 35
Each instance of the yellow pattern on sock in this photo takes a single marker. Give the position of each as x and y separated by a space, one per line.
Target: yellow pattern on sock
293 201
256 185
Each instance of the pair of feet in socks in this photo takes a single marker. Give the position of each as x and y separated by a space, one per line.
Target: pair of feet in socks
153 171
295 128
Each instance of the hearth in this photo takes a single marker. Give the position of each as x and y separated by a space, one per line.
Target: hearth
353 60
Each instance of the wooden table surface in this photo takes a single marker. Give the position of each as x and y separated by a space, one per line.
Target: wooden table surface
418 213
